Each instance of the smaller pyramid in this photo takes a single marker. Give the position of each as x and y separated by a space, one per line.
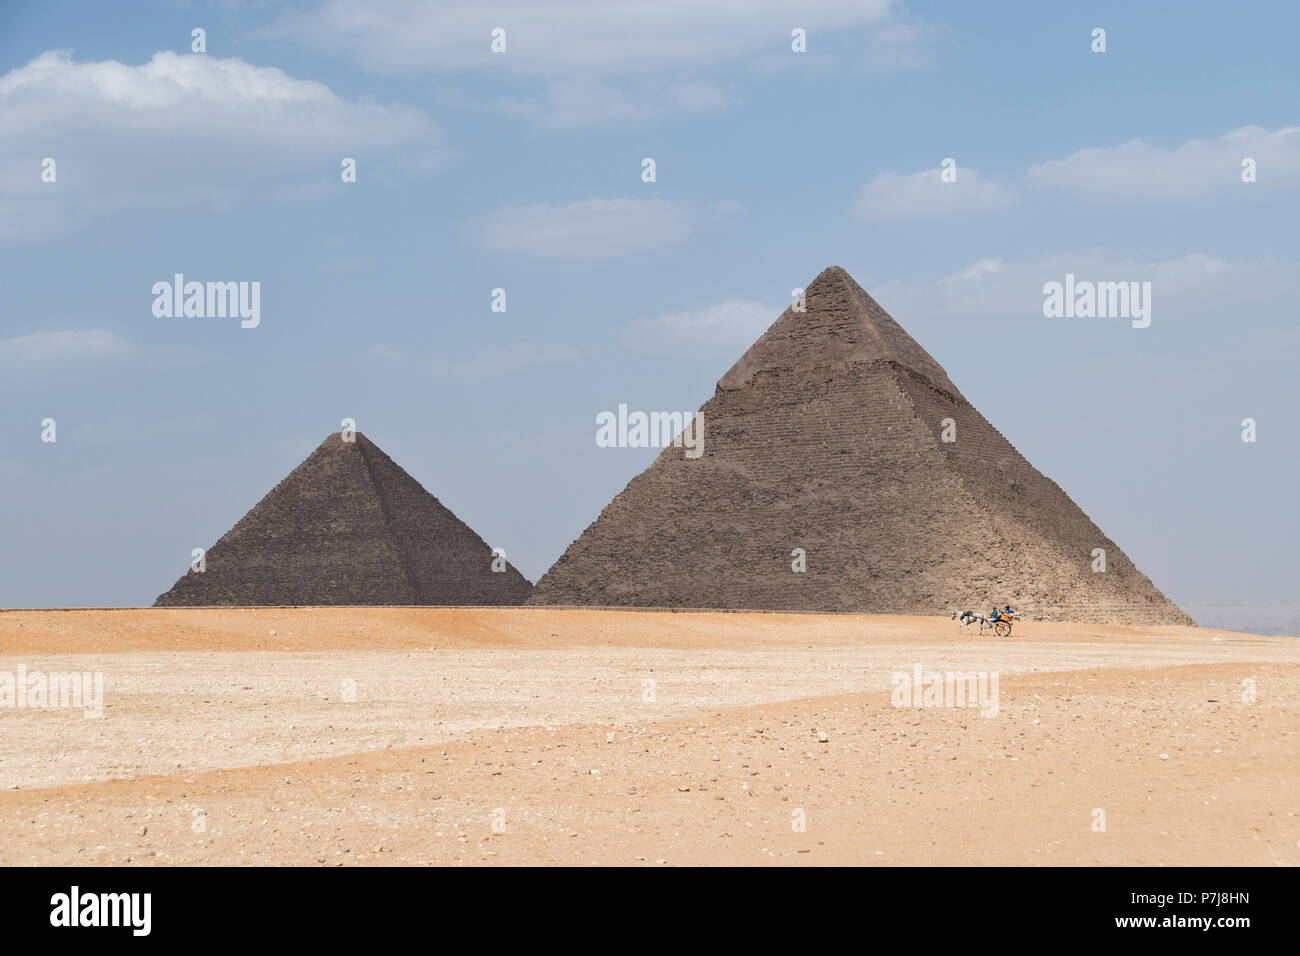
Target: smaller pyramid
349 526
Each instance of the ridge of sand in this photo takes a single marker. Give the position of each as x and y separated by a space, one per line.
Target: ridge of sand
120 630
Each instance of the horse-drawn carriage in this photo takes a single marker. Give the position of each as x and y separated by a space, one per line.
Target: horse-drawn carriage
999 621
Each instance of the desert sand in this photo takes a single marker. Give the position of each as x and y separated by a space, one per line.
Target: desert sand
374 736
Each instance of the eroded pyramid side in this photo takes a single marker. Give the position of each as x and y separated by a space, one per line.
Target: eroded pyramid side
790 461
444 558
1041 544
825 437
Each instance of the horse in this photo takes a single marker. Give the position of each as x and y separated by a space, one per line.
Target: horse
967 618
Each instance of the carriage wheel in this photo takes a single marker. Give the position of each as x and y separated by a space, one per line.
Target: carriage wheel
1001 628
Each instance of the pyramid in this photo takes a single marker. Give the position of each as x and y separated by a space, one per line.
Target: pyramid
828 436
348 526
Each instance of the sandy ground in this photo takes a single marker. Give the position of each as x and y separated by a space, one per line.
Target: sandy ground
530 736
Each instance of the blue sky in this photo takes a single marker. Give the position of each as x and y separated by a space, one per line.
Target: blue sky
522 171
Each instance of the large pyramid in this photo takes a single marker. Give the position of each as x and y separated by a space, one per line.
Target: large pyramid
348 526
827 436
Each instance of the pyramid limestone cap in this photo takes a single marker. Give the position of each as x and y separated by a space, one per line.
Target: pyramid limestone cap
841 324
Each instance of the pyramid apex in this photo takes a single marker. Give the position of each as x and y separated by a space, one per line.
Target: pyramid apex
838 322
335 438
829 274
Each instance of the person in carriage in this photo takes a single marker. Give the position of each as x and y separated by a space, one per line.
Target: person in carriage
1002 616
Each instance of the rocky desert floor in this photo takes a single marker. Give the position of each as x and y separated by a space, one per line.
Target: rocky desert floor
377 736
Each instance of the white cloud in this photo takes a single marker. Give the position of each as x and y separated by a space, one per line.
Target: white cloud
175 131
1225 297
981 270
892 196
1139 171
593 228
730 325
89 345
575 46
898 45
74 354
573 37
